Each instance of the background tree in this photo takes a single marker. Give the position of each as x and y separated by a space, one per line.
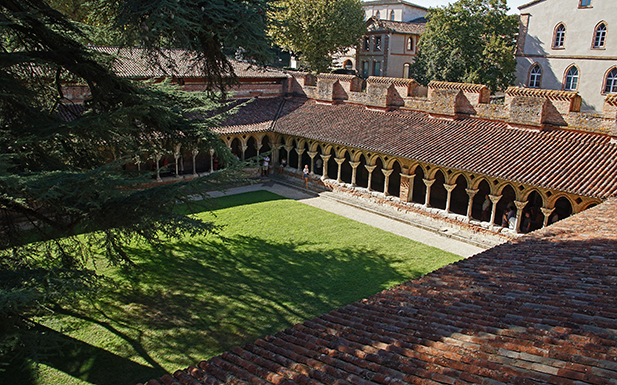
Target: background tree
470 41
314 30
57 178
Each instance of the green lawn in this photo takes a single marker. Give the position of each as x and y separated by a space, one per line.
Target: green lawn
275 263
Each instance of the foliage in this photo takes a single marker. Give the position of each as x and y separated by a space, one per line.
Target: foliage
314 30
275 262
469 41
61 166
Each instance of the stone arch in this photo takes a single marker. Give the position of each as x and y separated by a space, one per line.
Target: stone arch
563 209
251 147
394 183
377 178
332 165
419 188
589 205
265 145
459 198
532 213
361 171
508 196
305 158
534 197
293 155
439 194
484 190
346 168
236 147
372 158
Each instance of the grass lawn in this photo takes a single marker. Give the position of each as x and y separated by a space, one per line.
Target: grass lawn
275 263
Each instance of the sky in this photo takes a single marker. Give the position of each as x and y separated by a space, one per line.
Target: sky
513 4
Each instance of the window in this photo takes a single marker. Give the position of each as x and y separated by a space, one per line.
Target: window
611 82
535 76
585 3
367 43
365 69
571 82
406 71
377 43
560 36
410 44
599 36
392 15
377 14
377 68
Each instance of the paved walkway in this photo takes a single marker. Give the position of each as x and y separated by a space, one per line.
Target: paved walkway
370 218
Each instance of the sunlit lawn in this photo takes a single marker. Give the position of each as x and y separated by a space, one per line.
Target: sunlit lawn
276 262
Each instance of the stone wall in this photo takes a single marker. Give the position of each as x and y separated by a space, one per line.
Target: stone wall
522 107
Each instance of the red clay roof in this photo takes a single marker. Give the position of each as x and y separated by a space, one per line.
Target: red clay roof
396 26
563 160
540 311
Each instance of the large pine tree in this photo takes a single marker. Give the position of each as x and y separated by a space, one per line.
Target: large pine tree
61 172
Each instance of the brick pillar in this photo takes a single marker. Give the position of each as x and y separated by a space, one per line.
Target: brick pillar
406 187
449 188
494 199
370 175
472 193
520 205
354 168
427 198
386 174
339 161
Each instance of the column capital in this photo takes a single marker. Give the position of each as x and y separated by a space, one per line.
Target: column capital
387 172
157 157
494 198
244 147
354 164
520 204
195 152
370 168
403 175
312 154
326 157
428 182
300 151
449 187
471 192
546 211
339 161
288 148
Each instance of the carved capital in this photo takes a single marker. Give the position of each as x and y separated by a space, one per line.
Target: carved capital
449 187
300 151
520 204
471 192
429 182
546 211
354 164
387 172
326 157
312 154
339 161
370 168
495 198
195 152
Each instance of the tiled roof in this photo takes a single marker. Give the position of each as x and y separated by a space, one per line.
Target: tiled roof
540 311
255 115
562 160
399 26
132 63
457 86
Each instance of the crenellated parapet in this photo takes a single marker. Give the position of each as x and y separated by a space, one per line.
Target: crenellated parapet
521 107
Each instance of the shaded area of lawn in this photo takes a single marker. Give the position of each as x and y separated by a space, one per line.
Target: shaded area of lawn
275 263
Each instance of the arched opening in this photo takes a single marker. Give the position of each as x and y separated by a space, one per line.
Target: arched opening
459 198
348 65
508 196
332 166
571 80
265 145
236 148
319 161
394 183
535 76
419 188
377 178
439 195
482 205
293 155
563 209
251 149
362 173
306 159
532 215
346 169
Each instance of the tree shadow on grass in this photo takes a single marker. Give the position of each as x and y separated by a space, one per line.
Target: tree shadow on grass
192 299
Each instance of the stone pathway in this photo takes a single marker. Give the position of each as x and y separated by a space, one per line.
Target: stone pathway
329 202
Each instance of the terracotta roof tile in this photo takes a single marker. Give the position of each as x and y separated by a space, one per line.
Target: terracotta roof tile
397 26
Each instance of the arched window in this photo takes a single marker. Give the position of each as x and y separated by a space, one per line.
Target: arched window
571 82
599 36
410 44
348 65
611 82
560 36
377 15
392 15
535 76
406 71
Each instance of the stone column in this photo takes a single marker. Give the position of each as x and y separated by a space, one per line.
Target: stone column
449 188
339 161
288 149
406 187
547 214
138 163
386 174
176 157
494 199
211 160
370 175
299 151
194 152
312 154
427 198
354 169
472 193
243 148
157 158
325 159
520 205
